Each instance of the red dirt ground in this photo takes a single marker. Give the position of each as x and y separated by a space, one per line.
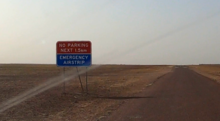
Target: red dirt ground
109 87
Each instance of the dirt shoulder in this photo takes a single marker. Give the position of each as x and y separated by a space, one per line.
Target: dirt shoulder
210 71
109 87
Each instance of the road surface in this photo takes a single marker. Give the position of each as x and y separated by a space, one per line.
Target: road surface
182 95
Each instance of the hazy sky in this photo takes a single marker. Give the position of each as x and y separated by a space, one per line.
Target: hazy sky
121 31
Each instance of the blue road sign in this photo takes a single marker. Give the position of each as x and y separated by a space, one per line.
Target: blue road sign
74 53
74 59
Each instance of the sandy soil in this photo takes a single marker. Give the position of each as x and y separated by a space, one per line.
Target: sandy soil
109 86
210 71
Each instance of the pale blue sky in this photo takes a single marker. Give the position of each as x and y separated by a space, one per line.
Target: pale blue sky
121 32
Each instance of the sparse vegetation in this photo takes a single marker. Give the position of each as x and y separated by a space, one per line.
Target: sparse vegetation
106 84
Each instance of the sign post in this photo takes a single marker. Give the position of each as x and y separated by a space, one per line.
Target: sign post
86 81
64 84
74 54
80 79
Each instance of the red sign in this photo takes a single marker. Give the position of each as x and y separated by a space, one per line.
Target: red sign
74 47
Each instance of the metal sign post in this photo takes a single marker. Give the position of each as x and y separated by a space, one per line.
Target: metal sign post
64 84
80 79
86 81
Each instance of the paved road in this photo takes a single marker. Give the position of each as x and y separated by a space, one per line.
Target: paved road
181 95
